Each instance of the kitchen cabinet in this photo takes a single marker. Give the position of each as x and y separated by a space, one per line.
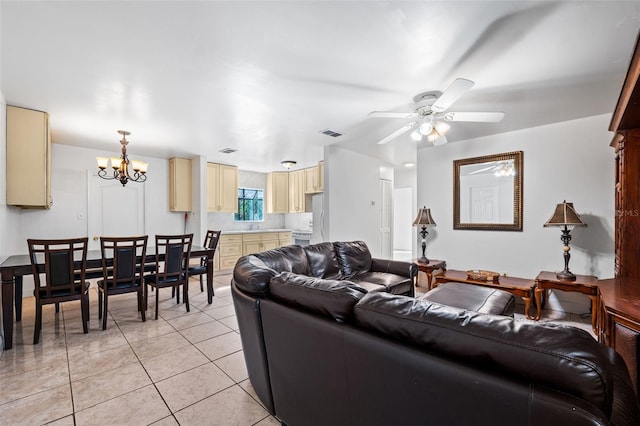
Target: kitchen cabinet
222 188
296 192
277 192
320 176
284 239
180 185
230 249
255 242
313 180
28 159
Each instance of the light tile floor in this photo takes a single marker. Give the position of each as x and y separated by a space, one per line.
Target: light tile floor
184 368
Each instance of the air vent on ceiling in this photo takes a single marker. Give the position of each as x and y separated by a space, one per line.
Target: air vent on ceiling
331 133
227 150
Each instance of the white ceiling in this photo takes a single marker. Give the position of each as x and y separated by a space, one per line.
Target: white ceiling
190 78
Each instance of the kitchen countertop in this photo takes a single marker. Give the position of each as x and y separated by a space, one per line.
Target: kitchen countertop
254 231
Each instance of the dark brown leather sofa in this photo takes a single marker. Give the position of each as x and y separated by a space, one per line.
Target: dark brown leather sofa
322 350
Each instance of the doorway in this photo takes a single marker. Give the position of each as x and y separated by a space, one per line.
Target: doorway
402 219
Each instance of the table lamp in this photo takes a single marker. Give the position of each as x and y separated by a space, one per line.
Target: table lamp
565 216
424 219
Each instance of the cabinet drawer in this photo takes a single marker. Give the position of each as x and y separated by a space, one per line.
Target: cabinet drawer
260 236
230 249
228 262
230 238
284 236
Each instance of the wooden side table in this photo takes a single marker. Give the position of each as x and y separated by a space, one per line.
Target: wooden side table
429 268
585 284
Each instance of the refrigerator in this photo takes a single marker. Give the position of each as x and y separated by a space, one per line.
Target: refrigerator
318 234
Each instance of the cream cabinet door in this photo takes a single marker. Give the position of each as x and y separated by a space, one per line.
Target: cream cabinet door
228 188
296 191
28 158
222 188
277 192
180 185
320 176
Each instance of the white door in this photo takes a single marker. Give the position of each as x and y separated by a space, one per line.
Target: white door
386 219
114 210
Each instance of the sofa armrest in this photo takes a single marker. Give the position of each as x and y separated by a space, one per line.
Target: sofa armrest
404 269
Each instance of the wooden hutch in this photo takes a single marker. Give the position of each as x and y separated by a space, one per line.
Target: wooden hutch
619 310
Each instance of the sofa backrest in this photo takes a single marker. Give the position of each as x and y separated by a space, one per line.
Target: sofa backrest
253 272
354 257
553 356
323 262
330 298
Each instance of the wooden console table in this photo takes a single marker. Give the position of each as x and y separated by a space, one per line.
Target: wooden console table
520 287
585 284
429 268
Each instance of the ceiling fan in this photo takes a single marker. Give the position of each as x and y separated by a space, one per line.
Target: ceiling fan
431 115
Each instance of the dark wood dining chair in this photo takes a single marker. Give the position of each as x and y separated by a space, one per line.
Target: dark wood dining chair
172 266
211 242
64 263
122 271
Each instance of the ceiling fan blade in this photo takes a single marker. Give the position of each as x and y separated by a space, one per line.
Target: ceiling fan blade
398 132
458 88
440 141
391 114
480 117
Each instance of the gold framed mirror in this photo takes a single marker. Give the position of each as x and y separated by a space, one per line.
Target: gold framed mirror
487 192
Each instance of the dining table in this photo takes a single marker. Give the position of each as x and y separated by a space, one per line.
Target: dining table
16 266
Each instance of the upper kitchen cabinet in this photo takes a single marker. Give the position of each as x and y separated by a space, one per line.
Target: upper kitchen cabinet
222 188
296 191
180 186
28 158
314 179
277 193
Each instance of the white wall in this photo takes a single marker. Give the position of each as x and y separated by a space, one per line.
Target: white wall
352 197
570 160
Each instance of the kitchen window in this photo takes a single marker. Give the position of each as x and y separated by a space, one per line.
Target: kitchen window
250 205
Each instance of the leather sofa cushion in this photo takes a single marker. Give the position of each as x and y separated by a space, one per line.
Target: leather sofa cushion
286 259
354 257
391 283
323 262
559 357
473 298
252 275
332 298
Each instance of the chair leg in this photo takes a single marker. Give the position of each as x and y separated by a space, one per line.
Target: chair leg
57 308
38 325
201 284
99 304
106 306
177 290
84 305
157 291
186 294
141 307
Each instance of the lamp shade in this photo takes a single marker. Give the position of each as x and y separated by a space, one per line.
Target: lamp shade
565 215
424 218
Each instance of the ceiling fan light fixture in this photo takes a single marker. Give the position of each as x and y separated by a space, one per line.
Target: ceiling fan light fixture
416 135
287 164
431 137
425 128
442 127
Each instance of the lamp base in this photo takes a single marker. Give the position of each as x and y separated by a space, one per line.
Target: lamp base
422 260
565 276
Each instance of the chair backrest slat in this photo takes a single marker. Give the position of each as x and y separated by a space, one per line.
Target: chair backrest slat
64 263
176 250
210 241
123 260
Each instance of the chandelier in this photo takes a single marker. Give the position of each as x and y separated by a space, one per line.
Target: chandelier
121 165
